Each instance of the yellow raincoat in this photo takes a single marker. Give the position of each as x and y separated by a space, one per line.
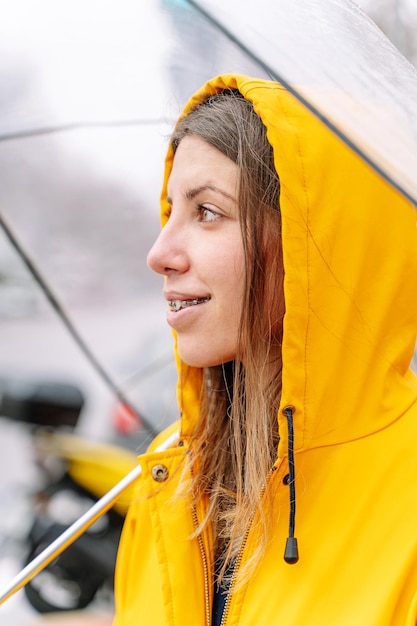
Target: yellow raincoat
350 258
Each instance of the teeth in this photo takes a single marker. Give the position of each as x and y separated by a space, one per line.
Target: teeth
177 305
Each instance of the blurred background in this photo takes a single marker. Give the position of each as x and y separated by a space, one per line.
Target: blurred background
89 92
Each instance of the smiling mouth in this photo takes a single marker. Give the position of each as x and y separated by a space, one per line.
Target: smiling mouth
177 305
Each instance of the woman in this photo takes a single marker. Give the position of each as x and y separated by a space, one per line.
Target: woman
291 284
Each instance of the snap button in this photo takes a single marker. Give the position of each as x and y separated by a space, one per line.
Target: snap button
286 479
159 473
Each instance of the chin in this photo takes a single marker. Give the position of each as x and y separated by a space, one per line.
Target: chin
199 359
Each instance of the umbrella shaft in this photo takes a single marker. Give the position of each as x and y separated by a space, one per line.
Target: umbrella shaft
68 536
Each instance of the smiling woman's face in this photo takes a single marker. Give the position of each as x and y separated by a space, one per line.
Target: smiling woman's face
200 253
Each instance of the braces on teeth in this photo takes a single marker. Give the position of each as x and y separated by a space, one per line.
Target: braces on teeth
177 305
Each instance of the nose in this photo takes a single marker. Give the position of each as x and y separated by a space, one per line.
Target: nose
168 253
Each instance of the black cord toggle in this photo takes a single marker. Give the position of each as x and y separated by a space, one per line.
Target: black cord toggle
291 546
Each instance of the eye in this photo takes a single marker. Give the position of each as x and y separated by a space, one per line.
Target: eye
205 214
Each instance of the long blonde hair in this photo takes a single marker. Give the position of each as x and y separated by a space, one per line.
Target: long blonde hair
235 444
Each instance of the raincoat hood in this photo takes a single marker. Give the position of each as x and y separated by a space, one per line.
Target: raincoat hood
350 263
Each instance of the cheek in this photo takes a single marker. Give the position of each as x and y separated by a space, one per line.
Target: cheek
233 271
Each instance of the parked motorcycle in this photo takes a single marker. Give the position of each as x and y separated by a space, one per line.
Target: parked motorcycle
76 473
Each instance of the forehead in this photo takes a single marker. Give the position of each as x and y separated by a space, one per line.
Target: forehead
196 158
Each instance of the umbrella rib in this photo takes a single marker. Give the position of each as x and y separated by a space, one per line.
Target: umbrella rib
59 309
60 128
325 120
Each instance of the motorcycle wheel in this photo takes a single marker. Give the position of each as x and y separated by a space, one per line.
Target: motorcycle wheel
52 590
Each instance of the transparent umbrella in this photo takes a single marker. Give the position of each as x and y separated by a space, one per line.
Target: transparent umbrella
91 91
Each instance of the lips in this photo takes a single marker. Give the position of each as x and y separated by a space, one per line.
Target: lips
177 305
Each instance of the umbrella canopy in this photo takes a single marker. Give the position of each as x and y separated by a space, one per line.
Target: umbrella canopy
91 90
342 67
82 63
90 93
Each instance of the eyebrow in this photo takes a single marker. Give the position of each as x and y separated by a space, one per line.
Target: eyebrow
190 194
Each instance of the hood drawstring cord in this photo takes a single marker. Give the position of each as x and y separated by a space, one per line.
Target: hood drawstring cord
291 547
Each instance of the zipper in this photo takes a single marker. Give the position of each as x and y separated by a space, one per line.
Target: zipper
205 567
240 555
232 580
